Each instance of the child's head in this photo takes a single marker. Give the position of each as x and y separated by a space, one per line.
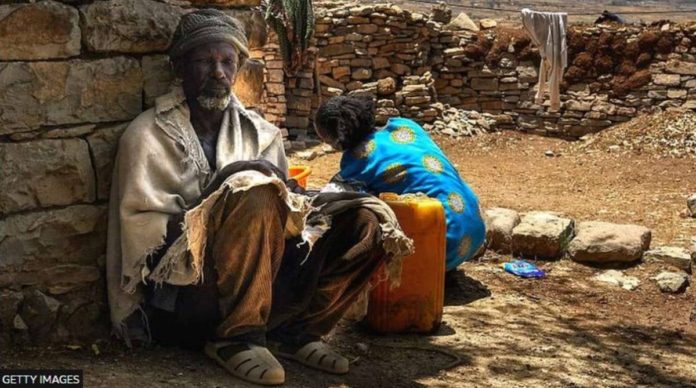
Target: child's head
343 122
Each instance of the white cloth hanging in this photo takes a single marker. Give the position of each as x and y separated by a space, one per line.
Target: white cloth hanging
548 32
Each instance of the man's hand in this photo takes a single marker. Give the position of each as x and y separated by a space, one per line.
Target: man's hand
263 166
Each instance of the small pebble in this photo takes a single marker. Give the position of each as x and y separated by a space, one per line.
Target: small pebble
363 347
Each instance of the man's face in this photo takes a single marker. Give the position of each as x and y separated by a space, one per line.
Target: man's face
208 72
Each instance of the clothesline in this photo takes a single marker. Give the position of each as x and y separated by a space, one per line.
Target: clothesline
569 14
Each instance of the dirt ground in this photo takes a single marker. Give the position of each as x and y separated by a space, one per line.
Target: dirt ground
510 169
501 331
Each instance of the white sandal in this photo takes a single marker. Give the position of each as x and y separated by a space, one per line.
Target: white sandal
256 365
320 356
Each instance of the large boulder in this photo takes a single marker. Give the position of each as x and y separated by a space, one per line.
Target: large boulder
129 26
674 256
600 242
43 30
499 225
542 235
45 173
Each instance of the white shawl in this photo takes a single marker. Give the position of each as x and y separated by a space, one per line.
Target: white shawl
160 168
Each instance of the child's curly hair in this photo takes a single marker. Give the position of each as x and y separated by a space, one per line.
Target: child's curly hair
345 121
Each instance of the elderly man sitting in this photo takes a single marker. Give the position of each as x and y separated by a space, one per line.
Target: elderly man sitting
200 247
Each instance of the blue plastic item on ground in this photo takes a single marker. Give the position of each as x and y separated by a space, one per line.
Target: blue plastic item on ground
523 269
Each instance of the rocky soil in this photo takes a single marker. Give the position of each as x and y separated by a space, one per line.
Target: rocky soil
662 134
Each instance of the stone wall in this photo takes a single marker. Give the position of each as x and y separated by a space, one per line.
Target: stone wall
416 64
72 76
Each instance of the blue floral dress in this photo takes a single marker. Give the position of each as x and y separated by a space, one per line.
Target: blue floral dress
402 158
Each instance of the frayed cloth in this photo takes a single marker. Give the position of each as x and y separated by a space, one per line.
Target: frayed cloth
160 167
308 218
394 242
182 264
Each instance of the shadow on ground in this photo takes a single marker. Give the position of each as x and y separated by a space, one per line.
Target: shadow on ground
490 337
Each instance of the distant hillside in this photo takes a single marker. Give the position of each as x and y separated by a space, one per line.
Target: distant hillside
585 11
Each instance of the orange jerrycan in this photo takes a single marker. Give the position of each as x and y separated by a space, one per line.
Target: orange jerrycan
416 305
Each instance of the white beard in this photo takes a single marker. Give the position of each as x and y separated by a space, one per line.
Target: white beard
214 103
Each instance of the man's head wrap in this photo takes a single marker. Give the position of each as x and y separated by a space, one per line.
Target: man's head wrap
207 26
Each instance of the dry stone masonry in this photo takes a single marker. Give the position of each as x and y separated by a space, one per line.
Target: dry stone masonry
73 74
615 71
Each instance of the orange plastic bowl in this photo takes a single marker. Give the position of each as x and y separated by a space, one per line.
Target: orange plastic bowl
300 174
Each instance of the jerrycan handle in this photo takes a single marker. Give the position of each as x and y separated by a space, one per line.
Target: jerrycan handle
389 196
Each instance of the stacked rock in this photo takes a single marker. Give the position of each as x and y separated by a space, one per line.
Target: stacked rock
416 97
458 122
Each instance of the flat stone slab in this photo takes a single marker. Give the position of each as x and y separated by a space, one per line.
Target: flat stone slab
602 242
499 225
681 67
618 278
672 282
675 256
542 235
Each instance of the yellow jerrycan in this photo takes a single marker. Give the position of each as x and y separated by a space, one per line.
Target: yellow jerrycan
416 305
